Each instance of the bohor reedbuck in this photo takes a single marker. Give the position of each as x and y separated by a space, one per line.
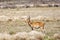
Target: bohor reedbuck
35 25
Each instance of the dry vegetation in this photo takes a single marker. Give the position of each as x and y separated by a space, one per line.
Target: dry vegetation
11 22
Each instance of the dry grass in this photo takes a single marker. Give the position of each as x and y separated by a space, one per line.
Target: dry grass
19 26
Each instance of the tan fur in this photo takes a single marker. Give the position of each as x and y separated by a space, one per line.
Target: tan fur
35 24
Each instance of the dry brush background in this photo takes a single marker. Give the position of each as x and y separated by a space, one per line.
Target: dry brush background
11 23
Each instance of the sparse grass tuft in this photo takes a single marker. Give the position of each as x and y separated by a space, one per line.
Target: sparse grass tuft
48 38
11 32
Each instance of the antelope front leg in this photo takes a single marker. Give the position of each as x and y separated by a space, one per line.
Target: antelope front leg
32 28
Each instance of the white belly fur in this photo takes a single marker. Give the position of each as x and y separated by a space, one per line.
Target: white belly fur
36 26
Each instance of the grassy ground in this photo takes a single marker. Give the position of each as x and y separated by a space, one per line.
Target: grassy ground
18 26
43 11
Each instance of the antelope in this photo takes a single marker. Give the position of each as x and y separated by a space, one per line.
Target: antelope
35 25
